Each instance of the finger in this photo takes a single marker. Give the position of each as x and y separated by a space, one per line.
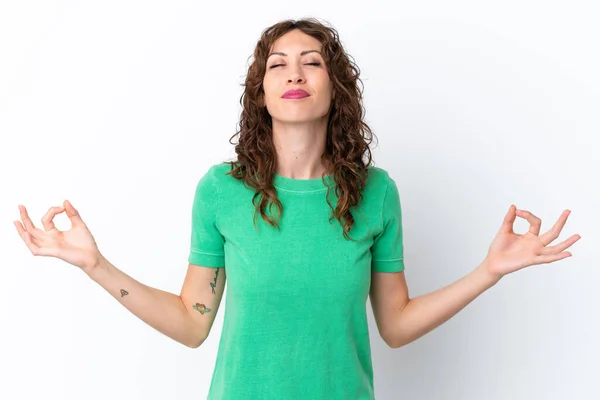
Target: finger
49 216
73 214
26 236
554 232
535 223
26 220
509 219
20 229
549 258
28 225
562 246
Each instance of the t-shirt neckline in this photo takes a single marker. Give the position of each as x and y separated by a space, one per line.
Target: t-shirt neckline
301 185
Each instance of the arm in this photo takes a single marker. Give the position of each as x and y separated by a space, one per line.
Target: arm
173 315
402 320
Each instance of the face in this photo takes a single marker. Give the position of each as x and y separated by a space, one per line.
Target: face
292 65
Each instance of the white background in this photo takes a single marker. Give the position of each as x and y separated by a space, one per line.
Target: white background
121 106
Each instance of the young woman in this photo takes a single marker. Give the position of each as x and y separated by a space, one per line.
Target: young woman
304 228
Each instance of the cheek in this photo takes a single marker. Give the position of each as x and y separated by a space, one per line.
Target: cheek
269 88
325 83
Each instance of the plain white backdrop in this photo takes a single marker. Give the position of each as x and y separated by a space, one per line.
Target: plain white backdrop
121 106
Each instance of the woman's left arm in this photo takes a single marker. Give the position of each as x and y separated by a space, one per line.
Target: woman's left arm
402 320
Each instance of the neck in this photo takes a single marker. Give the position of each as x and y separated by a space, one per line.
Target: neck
299 149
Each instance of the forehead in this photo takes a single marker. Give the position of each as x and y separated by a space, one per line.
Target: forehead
296 40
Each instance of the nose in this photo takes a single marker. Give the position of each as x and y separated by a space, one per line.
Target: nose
296 76
296 79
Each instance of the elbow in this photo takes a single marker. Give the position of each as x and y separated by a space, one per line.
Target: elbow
391 341
194 344
195 340
396 345
400 342
390 336
395 342
195 334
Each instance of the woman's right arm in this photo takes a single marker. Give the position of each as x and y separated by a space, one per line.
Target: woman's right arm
186 318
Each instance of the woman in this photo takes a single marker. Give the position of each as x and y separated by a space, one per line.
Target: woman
305 229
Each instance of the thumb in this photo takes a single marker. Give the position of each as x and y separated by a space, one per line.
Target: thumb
509 219
73 214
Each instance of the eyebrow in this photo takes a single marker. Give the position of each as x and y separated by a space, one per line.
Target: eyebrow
301 54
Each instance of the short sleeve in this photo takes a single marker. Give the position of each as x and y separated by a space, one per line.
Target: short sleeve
387 250
206 244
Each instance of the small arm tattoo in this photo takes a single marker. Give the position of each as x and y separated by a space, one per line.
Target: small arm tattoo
201 307
213 285
124 292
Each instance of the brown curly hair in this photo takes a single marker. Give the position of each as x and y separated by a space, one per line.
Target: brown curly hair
348 136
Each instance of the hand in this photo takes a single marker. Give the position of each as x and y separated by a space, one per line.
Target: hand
510 251
75 246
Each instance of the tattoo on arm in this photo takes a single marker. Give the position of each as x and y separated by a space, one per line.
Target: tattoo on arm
214 284
201 308
124 292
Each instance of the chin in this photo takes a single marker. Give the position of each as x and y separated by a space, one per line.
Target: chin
300 117
298 120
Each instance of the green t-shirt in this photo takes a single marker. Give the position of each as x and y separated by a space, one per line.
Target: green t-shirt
295 323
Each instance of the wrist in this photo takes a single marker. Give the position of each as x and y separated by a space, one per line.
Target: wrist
487 273
98 262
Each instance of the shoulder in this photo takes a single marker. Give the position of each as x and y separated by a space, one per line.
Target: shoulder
378 178
219 170
216 173
219 177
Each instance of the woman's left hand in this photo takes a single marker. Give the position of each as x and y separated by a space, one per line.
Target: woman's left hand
510 252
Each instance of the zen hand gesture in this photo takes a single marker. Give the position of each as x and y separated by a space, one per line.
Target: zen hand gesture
510 251
75 246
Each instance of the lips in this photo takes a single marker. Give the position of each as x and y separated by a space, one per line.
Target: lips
295 94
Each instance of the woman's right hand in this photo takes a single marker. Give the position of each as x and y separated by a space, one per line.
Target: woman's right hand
75 246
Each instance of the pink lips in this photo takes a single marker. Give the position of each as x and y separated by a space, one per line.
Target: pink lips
295 94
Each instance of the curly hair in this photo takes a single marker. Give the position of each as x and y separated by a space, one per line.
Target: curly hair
348 136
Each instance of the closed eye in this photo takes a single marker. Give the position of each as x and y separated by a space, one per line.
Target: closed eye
316 64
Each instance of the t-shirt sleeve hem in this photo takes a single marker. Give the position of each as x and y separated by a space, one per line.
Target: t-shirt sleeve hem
206 259
396 265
